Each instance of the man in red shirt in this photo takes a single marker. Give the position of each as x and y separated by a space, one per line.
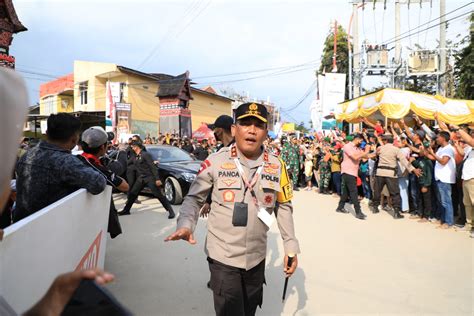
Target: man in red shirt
349 170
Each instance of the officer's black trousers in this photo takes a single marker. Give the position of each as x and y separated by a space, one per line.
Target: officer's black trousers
236 291
139 184
349 189
393 189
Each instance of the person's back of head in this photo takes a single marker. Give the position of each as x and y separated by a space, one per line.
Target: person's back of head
94 141
62 127
387 138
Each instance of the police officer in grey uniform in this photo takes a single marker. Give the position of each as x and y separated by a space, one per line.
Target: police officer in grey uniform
250 187
387 174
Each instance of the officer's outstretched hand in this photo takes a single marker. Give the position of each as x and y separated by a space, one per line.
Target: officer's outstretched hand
290 270
182 233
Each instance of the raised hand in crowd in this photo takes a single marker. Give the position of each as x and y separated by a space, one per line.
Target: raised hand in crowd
443 126
417 120
402 123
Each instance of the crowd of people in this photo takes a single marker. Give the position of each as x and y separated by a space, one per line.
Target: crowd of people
426 173
423 172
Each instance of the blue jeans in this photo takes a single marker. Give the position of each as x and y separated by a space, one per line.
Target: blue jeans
444 192
435 202
336 179
365 185
403 184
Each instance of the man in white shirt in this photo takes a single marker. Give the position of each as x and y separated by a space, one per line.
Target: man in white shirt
467 177
445 176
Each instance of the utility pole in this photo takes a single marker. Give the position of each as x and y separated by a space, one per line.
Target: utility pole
398 52
442 47
350 72
356 54
334 55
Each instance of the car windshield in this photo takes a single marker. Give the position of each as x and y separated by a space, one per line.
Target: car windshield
169 154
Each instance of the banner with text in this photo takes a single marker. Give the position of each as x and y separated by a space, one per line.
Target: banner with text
112 97
333 92
332 89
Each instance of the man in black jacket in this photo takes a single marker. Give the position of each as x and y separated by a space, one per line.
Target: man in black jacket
94 144
147 175
202 151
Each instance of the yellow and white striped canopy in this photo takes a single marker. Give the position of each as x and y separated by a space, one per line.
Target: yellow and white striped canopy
396 104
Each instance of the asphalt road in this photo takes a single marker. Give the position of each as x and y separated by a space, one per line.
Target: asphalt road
380 266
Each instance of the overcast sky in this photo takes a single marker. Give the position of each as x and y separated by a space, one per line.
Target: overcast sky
207 37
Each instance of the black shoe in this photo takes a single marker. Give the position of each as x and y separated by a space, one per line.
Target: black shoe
171 215
397 215
123 213
138 201
374 209
361 216
341 210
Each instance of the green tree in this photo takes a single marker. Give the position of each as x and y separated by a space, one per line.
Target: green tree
422 84
464 66
300 127
342 54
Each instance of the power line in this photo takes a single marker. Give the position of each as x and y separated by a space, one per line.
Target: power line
257 70
195 17
168 33
37 73
308 92
282 70
428 28
290 116
428 22
273 74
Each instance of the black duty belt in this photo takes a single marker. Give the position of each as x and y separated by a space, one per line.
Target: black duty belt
394 169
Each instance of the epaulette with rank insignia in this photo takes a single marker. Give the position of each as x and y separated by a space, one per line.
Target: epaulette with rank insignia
233 152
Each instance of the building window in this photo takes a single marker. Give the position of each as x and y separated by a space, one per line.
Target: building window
83 92
49 105
123 86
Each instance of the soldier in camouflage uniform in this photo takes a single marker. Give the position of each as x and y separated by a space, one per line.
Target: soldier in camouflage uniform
325 170
290 154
